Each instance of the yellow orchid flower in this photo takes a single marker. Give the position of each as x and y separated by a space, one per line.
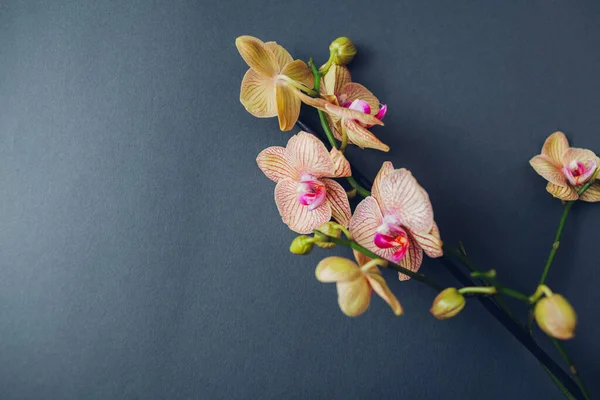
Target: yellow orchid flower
566 169
270 86
355 282
351 108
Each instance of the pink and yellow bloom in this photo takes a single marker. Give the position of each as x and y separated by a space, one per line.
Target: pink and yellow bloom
270 86
305 198
396 222
356 282
566 169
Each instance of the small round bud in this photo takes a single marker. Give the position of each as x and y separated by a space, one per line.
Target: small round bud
342 51
330 229
556 317
447 304
302 245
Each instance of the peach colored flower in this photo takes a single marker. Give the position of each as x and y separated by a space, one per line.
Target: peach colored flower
270 86
355 283
566 169
304 197
396 222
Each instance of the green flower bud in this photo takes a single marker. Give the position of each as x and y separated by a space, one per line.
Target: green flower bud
342 51
447 304
302 245
556 317
329 229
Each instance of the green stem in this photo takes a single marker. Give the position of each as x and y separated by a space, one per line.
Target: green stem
572 368
559 384
353 245
359 189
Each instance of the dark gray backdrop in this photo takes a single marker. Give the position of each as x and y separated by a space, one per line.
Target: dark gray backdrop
141 252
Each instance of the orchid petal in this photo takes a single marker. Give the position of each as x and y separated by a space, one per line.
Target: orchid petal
362 259
288 106
544 166
592 194
295 215
275 166
401 195
281 54
412 260
257 94
299 71
341 164
364 223
336 269
380 287
257 56
555 146
566 193
362 137
354 296
578 155
359 105
317 103
346 113
382 112
335 79
309 155
384 171
356 91
338 200
430 242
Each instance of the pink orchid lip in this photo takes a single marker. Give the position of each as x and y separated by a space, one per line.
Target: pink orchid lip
382 112
312 192
392 236
577 173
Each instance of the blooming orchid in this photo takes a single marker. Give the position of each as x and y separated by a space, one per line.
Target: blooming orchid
355 283
270 86
566 169
396 222
305 198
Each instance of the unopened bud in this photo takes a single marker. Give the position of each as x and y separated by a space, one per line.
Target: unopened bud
342 51
447 304
330 229
302 245
556 317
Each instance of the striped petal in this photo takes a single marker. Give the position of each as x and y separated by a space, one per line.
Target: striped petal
380 287
340 163
354 296
346 113
566 193
281 54
362 137
401 195
356 91
299 71
288 106
592 195
431 243
336 78
412 260
275 166
338 200
309 155
544 166
257 56
555 146
336 269
295 215
384 171
582 155
257 94
364 223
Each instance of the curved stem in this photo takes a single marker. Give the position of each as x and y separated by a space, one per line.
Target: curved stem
359 189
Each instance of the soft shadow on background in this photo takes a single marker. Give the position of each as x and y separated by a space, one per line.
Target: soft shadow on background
141 252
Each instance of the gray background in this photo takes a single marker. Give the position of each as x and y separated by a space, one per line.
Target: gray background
141 252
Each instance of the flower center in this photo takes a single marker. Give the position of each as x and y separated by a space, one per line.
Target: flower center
312 193
392 235
578 173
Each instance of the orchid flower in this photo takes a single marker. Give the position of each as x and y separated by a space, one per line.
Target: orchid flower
305 198
566 169
270 86
355 283
396 222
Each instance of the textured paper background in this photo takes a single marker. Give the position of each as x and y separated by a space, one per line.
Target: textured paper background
141 253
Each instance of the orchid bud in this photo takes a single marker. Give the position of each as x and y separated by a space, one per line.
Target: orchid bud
447 304
302 245
342 51
330 229
556 317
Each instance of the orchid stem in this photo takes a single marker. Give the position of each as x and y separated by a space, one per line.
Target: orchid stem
359 189
572 367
